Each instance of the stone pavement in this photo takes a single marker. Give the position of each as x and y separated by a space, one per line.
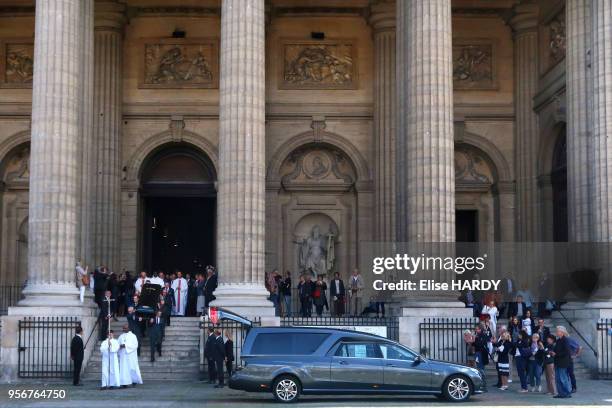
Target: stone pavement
184 394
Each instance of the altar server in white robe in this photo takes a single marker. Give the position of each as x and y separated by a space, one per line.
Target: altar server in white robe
180 294
110 363
129 371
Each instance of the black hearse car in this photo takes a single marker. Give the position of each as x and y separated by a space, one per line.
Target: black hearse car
290 361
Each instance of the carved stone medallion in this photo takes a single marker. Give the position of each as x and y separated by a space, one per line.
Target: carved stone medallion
180 63
317 168
474 65
17 64
329 64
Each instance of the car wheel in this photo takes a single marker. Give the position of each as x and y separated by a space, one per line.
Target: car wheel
286 389
457 388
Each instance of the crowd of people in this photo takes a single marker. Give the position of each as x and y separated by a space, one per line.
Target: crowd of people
530 345
312 293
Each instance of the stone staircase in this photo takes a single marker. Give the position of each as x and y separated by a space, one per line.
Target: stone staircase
180 359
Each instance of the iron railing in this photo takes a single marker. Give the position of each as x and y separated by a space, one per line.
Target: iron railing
9 296
44 346
328 310
442 338
604 357
385 326
238 333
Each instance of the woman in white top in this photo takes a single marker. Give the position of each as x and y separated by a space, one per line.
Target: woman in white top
492 311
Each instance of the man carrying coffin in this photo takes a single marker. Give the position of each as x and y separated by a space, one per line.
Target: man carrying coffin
180 294
110 363
129 371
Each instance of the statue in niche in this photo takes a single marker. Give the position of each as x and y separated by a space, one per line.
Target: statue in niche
316 252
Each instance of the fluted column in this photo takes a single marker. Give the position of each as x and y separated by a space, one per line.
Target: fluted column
602 120
578 41
55 157
382 19
108 48
524 24
425 146
241 185
86 139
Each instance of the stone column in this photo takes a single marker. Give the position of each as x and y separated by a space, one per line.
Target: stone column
577 17
86 165
425 145
108 48
382 19
525 24
241 185
55 159
601 148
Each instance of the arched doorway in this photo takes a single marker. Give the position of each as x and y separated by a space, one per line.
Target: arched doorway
558 180
178 198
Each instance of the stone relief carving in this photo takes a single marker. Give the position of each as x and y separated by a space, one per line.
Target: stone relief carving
471 168
180 64
317 168
18 168
318 65
557 38
18 65
316 251
473 65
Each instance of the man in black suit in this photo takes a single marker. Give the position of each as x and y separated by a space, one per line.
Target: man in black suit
156 326
517 308
337 293
208 355
218 356
77 350
210 286
100 286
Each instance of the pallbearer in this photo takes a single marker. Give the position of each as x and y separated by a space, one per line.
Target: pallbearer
129 371
180 294
110 363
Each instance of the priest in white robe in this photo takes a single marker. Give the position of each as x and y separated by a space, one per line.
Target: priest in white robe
110 363
180 294
129 371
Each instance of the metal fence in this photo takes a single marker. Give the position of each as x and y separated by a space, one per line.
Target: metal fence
385 326
9 296
44 346
295 306
238 333
442 338
604 356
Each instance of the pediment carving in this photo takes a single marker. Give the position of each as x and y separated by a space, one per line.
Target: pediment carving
316 168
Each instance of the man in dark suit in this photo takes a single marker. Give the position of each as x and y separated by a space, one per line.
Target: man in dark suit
337 293
210 286
517 308
156 326
208 355
77 350
218 356
100 286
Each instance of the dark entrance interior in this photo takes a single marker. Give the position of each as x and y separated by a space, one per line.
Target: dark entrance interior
466 225
179 211
558 178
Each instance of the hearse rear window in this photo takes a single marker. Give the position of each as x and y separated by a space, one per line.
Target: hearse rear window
287 343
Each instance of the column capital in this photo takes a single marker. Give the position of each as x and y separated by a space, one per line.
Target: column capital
524 17
109 15
382 15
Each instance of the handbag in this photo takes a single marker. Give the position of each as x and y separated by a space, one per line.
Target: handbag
85 279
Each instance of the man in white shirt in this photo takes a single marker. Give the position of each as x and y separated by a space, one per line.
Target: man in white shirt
129 371
142 279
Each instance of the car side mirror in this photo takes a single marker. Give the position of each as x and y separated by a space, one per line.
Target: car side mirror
418 360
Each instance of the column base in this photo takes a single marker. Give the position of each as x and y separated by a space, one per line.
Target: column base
54 295
246 299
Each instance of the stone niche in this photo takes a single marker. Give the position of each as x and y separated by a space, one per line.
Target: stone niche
328 64
16 63
179 63
318 211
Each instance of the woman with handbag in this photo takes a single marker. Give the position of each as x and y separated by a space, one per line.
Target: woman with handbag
503 348
521 357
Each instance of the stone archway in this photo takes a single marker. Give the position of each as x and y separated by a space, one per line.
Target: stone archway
177 197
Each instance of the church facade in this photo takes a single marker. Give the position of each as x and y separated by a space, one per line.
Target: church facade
254 135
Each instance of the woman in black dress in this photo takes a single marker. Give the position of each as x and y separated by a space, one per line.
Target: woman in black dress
229 353
503 348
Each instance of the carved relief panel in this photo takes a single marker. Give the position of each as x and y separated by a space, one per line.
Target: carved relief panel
556 33
329 64
180 63
474 64
471 168
16 63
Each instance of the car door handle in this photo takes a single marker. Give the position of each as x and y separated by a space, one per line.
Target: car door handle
391 365
343 362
